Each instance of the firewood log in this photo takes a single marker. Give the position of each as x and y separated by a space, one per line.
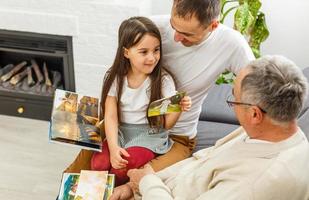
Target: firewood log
50 90
25 86
18 77
47 80
6 69
44 89
47 90
56 79
8 75
38 88
30 80
37 71
33 88
7 85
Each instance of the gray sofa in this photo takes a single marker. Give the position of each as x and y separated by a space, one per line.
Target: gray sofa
217 119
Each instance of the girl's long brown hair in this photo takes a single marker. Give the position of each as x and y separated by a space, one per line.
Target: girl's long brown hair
130 32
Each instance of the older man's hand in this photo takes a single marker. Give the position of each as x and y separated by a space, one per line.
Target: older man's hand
123 192
137 174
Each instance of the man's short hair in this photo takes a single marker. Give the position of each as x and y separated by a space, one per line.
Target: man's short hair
277 85
204 10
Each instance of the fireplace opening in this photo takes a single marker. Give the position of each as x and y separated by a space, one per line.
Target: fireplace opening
30 74
32 67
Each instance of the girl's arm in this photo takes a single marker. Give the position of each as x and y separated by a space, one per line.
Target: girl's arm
169 89
111 130
171 119
111 121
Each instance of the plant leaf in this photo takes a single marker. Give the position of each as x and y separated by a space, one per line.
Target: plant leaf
220 79
225 77
222 3
243 18
254 7
256 51
259 32
226 13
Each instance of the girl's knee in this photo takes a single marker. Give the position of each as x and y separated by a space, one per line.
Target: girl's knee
99 162
139 157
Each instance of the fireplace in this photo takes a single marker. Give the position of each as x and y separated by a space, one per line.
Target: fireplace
32 66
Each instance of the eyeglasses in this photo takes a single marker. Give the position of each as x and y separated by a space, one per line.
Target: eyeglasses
232 103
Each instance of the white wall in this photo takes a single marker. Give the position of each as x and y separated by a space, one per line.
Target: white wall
289 30
159 7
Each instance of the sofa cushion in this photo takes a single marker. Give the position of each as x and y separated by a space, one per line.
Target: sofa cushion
215 108
210 132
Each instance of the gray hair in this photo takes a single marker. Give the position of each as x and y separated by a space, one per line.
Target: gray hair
277 85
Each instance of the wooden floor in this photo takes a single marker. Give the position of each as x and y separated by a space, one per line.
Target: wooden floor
30 166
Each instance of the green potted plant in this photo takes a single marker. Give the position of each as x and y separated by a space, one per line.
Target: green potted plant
249 21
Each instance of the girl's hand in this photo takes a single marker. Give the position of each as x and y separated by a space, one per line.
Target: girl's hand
116 159
185 103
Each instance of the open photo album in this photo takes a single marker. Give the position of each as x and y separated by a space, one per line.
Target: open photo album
94 185
75 120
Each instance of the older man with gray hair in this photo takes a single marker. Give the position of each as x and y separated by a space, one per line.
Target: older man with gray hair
266 158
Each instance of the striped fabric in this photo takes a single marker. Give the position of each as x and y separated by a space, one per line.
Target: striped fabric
155 139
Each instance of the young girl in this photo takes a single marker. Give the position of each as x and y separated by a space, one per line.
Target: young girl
135 79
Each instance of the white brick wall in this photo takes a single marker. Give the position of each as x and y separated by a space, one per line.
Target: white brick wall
93 24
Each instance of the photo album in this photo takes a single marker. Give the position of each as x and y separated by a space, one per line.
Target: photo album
75 120
94 185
